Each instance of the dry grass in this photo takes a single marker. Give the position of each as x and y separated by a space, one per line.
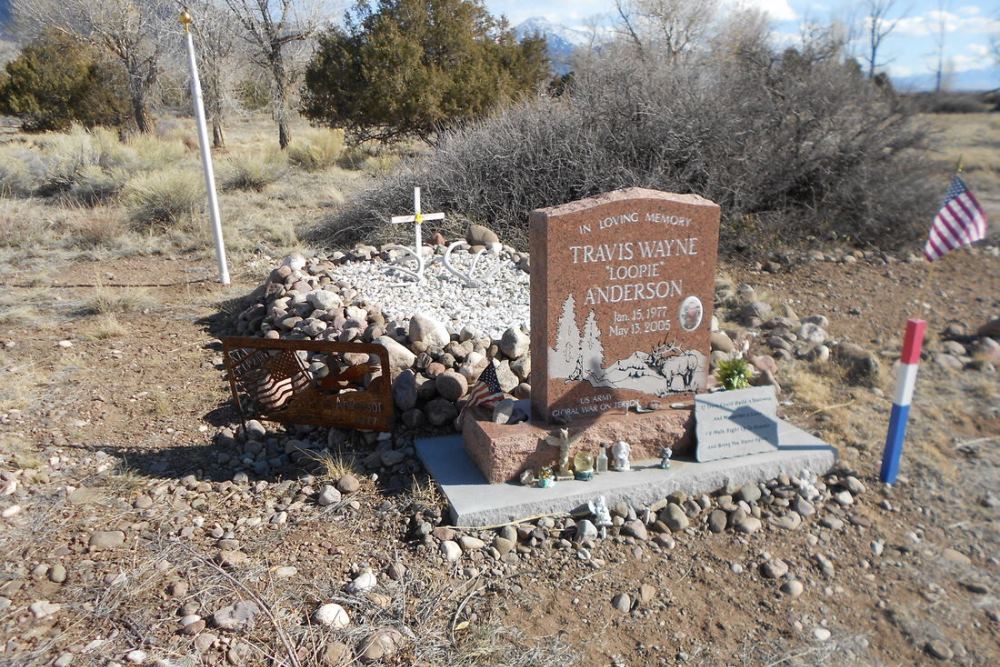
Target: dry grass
254 171
18 381
331 466
123 481
167 198
984 388
87 196
425 492
105 327
316 149
118 301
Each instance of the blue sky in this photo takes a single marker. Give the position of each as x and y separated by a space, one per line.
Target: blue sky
909 50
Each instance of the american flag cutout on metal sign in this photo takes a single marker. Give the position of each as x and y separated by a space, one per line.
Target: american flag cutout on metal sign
961 221
271 379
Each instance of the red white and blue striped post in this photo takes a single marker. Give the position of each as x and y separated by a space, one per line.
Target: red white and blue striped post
907 379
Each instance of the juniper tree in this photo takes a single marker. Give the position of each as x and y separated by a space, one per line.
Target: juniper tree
412 68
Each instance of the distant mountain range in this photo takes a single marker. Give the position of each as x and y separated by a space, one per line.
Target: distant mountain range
560 40
971 80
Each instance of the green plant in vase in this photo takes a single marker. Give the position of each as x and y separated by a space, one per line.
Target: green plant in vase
734 373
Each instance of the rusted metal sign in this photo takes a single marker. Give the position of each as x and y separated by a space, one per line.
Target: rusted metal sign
272 379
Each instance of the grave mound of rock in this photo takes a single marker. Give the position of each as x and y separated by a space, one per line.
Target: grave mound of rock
439 334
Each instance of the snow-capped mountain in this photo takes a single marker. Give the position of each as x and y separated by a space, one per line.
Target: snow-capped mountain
561 41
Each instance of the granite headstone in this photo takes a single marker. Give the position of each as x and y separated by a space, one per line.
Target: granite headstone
622 289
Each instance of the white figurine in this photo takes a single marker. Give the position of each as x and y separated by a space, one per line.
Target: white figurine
602 517
620 452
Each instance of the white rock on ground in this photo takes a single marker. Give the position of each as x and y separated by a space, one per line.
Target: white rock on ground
332 615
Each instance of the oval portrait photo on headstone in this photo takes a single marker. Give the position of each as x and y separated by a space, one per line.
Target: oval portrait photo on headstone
690 313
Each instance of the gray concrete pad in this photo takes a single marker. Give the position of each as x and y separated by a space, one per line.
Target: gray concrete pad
474 502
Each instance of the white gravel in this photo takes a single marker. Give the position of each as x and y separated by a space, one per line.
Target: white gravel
500 302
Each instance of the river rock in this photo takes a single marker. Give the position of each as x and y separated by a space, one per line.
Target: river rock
400 358
427 330
451 385
514 343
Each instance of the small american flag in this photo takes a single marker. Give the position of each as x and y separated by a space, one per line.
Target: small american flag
961 221
486 392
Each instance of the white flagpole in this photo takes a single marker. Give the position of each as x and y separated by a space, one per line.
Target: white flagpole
206 154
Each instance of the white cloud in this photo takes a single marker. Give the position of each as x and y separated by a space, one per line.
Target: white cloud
778 10
980 50
925 25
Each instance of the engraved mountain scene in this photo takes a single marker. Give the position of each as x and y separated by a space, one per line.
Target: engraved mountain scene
664 370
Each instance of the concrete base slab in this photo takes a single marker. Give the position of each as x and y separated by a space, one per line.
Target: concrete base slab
475 502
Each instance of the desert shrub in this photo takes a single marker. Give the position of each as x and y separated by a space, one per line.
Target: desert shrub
164 199
17 179
94 232
791 145
317 149
93 185
151 153
89 166
253 95
945 102
254 171
57 81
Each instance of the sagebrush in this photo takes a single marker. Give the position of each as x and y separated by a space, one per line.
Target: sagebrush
794 146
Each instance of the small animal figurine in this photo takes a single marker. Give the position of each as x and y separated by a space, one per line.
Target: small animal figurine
619 456
665 454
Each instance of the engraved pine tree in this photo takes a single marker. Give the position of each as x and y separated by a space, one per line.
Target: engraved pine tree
590 365
566 355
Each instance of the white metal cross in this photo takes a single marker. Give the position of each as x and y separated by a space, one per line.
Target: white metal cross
417 219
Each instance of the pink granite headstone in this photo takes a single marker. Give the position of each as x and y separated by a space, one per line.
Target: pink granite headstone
622 289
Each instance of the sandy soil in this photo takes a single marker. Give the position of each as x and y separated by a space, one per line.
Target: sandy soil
127 415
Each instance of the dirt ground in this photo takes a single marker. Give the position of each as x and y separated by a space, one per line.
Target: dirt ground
113 418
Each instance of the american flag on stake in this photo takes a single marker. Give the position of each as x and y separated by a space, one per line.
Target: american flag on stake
486 392
961 221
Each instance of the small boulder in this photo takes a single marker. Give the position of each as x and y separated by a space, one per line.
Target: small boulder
324 300
426 329
451 385
104 540
451 551
400 358
440 411
674 518
514 343
328 496
404 390
720 342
